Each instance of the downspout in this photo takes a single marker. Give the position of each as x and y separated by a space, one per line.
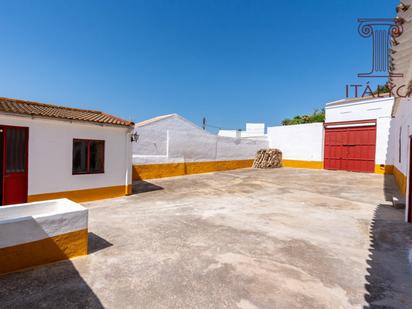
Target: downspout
128 162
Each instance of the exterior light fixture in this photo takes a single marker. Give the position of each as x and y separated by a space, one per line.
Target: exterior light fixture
402 7
134 137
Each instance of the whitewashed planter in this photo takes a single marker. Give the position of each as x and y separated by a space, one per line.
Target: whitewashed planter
41 232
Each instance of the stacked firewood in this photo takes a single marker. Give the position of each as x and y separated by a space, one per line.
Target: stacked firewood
268 158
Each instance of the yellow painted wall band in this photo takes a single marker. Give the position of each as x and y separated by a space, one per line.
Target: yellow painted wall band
383 169
85 195
56 248
129 189
151 171
400 179
302 164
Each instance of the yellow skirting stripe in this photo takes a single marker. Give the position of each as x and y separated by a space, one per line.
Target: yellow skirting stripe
129 189
302 164
56 248
85 195
383 169
151 171
400 179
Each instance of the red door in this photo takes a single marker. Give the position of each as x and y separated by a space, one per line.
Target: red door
350 148
15 157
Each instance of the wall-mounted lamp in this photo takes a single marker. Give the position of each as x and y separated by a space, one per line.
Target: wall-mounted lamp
402 7
134 137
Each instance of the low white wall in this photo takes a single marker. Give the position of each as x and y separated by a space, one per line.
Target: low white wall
24 223
298 142
51 150
176 139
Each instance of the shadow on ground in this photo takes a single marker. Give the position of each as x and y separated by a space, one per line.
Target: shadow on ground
96 243
32 288
389 279
141 186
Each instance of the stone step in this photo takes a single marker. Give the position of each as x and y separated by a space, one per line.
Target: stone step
398 202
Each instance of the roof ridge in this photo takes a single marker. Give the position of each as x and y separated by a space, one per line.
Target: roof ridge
20 101
155 119
384 95
32 108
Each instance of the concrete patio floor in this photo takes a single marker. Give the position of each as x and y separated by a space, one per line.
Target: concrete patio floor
284 238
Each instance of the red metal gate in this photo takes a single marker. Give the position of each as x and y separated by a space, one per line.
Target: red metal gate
350 148
15 165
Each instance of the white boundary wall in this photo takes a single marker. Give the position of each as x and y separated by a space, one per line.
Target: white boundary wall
253 130
174 139
302 142
51 150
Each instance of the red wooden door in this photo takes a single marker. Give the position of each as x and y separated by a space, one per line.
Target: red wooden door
350 148
15 165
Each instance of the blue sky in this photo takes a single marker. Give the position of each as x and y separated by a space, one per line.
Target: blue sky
231 61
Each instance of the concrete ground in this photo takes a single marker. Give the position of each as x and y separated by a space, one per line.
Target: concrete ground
284 238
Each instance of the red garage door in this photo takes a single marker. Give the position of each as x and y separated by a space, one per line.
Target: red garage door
350 148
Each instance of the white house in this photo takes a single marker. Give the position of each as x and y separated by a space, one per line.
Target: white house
401 125
50 152
354 137
171 145
357 135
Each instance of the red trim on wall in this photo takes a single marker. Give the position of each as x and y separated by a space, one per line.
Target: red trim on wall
360 122
88 156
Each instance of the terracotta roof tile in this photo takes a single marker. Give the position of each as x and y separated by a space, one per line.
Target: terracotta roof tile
58 112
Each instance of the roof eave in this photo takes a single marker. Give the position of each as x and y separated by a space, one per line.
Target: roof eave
102 124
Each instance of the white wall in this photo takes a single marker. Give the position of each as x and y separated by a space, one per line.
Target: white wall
229 133
359 110
400 132
252 130
402 123
176 139
50 154
384 150
298 142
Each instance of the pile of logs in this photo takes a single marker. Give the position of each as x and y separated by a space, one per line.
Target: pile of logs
268 158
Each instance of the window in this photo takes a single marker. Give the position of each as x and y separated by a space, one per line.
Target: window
88 156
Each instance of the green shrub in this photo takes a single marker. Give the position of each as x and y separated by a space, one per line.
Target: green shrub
317 116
